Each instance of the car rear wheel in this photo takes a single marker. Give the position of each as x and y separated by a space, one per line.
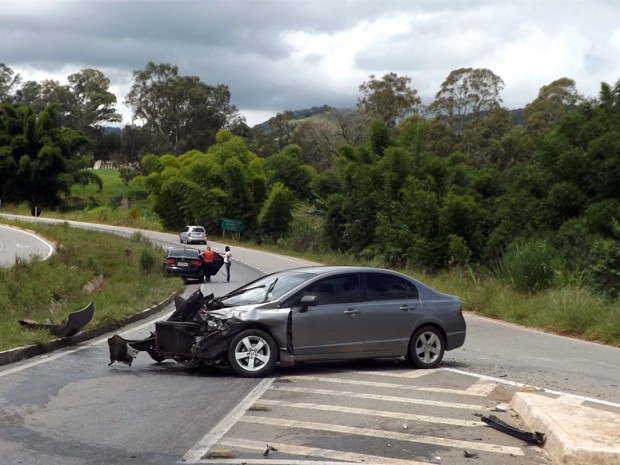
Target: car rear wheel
426 348
252 353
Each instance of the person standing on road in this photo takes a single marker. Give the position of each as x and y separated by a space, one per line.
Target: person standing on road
227 262
207 260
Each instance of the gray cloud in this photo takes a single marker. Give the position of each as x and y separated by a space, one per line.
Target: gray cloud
276 55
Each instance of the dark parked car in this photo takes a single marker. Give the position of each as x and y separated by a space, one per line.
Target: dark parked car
309 313
185 262
193 235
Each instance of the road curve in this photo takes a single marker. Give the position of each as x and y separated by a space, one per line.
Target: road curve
19 244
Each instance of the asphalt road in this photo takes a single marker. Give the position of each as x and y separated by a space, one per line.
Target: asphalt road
18 244
71 408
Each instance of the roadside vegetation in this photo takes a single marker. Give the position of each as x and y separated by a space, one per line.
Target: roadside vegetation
122 276
516 211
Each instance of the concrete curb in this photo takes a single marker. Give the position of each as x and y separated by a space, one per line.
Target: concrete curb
575 434
22 353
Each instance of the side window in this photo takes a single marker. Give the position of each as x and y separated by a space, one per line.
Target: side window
383 286
336 289
412 291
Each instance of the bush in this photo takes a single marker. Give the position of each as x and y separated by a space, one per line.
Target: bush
528 266
148 260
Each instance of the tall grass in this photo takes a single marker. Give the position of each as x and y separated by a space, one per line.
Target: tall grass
129 270
528 266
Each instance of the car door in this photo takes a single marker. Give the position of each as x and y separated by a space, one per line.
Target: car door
333 328
390 312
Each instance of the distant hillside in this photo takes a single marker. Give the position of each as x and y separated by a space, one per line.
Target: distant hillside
296 115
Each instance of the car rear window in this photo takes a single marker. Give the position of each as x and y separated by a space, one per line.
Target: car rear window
183 253
198 229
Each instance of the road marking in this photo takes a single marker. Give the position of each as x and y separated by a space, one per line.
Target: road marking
536 388
481 388
338 457
396 436
212 437
47 244
357 395
372 412
375 384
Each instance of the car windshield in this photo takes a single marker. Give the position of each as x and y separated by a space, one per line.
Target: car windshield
265 289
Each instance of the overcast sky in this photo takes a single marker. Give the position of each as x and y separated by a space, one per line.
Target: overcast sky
277 55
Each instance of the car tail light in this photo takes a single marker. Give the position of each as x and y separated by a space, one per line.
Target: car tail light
170 261
196 262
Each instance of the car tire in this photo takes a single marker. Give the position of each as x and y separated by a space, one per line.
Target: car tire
252 353
426 347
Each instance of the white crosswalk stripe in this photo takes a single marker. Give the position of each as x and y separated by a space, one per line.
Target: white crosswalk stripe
404 400
375 413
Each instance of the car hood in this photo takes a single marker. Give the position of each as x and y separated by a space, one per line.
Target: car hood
252 312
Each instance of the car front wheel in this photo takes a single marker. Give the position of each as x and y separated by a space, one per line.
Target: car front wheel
252 353
426 348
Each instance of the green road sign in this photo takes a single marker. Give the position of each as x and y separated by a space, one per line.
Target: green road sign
232 225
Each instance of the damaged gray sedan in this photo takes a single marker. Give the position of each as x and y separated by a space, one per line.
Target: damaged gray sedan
306 314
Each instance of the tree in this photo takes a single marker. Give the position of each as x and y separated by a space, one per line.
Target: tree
467 93
92 102
8 81
276 214
49 92
186 112
38 159
320 138
388 99
286 168
553 102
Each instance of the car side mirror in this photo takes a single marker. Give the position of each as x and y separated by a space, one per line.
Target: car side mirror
308 301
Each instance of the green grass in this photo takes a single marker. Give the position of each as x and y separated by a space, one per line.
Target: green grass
38 290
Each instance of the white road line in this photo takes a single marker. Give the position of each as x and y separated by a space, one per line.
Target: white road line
359 382
212 437
481 388
536 388
47 244
338 457
358 395
496 448
407 374
374 413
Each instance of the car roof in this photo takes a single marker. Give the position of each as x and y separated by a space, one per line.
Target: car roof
329 269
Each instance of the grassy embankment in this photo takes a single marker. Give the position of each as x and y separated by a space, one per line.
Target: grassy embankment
567 309
122 276
54 288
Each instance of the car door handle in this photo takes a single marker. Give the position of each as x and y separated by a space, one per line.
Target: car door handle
406 308
351 311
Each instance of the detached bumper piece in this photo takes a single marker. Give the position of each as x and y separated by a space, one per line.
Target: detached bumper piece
70 326
495 423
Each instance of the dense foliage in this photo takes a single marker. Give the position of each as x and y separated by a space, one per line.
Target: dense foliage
458 183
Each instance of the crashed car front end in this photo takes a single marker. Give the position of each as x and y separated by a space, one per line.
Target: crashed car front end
200 331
